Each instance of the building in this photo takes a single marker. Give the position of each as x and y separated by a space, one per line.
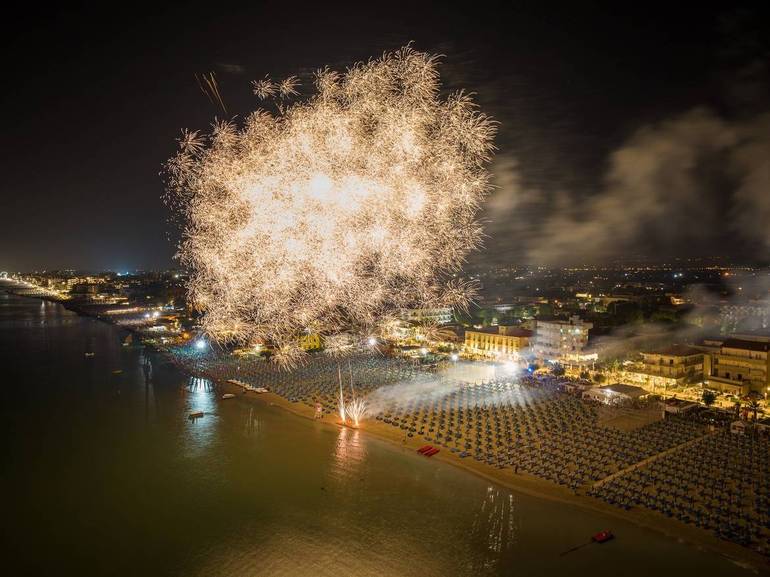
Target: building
741 365
678 362
501 341
436 316
310 341
617 394
563 340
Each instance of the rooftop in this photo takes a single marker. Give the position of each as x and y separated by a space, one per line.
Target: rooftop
623 389
503 330
746 345
675 351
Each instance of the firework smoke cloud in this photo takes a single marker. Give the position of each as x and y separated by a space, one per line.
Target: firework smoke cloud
336 209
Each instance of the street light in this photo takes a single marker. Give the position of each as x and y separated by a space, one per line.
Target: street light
454 356
200 344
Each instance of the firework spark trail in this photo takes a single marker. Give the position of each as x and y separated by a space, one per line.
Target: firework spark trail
356 409
210 87
342 398
337 209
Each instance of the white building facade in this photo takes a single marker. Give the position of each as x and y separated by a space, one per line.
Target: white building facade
435 316
563 341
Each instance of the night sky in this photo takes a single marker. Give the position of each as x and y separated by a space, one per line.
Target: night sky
94 100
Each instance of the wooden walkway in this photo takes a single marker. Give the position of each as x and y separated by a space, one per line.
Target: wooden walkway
649 460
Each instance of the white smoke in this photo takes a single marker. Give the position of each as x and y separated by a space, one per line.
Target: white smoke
676 184
427 389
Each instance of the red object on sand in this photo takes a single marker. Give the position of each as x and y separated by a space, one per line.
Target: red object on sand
424 448
431 452
603 536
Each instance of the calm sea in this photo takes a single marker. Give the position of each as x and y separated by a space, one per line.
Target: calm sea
103 474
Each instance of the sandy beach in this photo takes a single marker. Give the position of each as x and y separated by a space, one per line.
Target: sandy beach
528 484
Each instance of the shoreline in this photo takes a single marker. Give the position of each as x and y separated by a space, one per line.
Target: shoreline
529 485
519 483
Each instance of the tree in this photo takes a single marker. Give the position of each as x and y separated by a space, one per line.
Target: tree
487 316
557 370
585 375
545 310
462 316
599 378
754 406
709 397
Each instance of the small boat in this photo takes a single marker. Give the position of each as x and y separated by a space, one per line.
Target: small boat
600 537
228 396
603 536
431 452
195 415
89 354
424 448
117 371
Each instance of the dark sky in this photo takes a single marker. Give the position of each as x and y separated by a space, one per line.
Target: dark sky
94 100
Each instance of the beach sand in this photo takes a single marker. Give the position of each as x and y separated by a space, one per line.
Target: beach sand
527 484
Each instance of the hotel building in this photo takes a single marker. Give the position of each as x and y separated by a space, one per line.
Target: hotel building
563 340
678 362
739 366
502 341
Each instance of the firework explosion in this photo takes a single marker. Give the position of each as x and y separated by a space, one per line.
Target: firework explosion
356 409
337 209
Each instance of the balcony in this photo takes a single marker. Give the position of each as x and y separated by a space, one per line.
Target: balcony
739 361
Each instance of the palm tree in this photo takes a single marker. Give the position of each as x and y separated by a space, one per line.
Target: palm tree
754 406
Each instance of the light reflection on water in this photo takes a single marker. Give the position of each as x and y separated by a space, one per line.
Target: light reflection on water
495 526
349 452
200 431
